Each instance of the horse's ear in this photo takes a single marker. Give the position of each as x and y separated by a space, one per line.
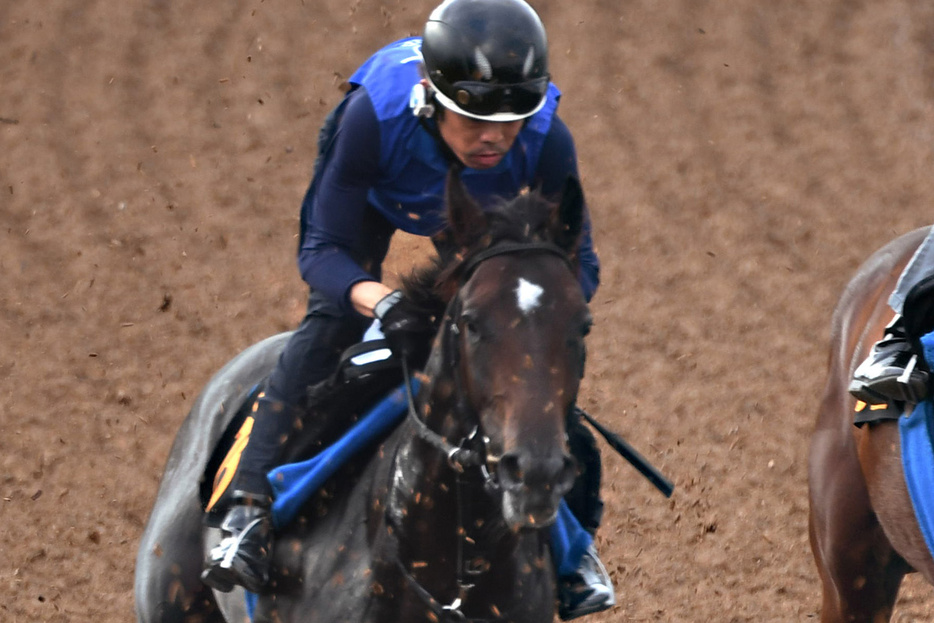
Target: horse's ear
465 218
570 215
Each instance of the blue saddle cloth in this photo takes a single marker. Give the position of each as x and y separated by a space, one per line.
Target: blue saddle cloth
918 465
918 456
295 483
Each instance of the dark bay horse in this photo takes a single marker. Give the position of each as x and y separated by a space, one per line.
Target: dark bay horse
444 521
863 531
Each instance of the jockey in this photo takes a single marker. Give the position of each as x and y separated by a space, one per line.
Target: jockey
896 368
474 92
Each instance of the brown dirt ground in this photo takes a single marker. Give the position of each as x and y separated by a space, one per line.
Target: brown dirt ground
740 160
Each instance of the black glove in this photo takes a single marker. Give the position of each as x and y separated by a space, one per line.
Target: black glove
406 328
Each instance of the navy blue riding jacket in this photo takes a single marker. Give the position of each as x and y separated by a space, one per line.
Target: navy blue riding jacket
377 161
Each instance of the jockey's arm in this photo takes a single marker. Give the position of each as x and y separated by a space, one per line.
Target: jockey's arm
333 221
557 162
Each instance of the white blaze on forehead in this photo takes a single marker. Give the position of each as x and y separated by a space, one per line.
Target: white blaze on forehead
528 295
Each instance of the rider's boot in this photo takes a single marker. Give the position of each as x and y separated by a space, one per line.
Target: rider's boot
587 591
241 489
590 589
892 371
244 555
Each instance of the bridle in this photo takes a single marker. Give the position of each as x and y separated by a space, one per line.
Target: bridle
471 452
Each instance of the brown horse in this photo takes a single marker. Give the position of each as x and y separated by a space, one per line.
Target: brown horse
447 520
863 531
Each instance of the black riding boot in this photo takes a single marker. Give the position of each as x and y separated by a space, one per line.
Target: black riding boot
590 589
892 370
244 555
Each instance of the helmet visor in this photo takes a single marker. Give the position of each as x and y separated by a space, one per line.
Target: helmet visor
494 102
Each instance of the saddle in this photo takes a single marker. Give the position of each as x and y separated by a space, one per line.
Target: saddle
334 405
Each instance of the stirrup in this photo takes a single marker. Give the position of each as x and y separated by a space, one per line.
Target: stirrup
243 557
914 392
877 383
890 372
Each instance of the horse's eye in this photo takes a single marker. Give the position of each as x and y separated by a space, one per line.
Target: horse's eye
471 326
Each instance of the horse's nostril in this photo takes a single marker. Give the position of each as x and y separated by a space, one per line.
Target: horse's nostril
553 474
510 471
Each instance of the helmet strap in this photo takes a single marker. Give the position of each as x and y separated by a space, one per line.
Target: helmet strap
421 101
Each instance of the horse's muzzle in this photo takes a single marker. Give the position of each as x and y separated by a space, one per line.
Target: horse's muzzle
533 487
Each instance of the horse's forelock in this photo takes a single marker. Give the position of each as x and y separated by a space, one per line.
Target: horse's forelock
528 217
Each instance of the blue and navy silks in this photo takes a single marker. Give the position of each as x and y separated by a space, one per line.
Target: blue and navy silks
412 169
380 169
918 456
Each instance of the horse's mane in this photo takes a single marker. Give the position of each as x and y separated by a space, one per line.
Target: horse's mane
529 217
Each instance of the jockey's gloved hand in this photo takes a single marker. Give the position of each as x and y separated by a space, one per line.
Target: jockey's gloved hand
406 328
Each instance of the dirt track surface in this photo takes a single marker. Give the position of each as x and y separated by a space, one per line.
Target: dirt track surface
740 159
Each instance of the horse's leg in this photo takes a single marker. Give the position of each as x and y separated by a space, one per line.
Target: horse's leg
860 571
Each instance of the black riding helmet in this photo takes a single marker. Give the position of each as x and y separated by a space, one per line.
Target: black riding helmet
487 59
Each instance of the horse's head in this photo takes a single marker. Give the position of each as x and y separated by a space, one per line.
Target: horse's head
510 353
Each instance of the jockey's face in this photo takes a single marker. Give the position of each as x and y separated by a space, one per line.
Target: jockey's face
478 144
